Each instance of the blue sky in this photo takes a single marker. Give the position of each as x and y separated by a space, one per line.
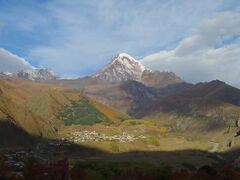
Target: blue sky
77 37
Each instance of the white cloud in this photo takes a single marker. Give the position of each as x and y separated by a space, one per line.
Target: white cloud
212 51
11 62
76 38
89 33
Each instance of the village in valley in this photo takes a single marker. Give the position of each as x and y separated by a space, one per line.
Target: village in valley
83 136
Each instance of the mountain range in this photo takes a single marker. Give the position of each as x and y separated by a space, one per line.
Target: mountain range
33 74
124 68
125 84
123 89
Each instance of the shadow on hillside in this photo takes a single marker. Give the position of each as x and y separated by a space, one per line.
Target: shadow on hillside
12 136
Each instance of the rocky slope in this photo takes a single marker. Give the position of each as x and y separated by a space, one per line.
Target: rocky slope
159 79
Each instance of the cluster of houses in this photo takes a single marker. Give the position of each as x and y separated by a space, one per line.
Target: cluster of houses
83 136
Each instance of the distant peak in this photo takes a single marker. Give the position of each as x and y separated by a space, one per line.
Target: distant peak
6 73
37 74
124 55
127 60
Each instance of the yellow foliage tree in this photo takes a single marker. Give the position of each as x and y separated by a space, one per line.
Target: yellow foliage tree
163 131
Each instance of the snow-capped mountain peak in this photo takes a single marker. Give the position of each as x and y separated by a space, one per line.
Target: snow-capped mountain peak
128 61
6 73
123 67
37 74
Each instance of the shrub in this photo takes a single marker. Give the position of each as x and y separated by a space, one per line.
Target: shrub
163 131
153 140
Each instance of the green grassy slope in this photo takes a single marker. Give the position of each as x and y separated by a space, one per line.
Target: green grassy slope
82 112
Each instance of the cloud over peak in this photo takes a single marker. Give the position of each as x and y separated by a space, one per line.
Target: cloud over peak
12 63
212 51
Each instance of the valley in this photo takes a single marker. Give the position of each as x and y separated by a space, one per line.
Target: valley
133 116
119 90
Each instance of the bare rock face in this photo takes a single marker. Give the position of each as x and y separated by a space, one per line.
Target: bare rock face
124 68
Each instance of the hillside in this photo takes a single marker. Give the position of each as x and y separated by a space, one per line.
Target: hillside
207 107
122 96
203 96
127 96
34 107
139 100
215 90
204 106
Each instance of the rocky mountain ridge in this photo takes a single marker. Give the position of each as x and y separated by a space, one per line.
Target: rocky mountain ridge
124 67
33 74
